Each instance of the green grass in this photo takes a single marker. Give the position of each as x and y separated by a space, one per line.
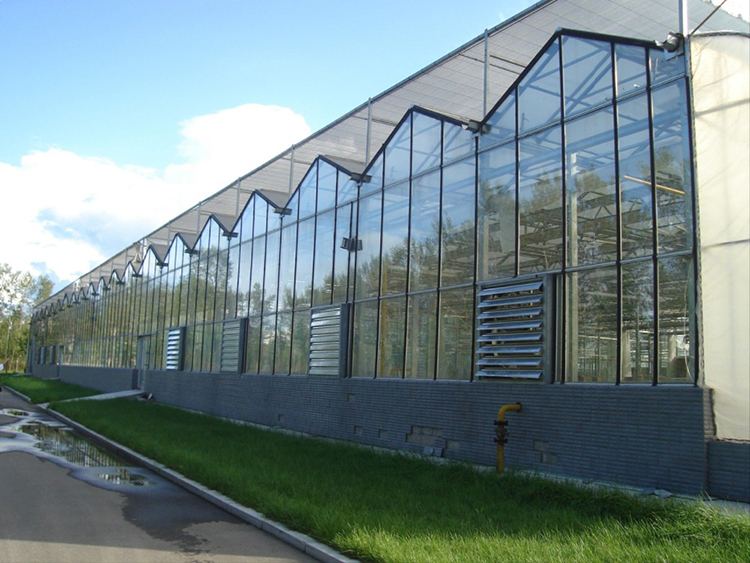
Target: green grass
395 508
45 390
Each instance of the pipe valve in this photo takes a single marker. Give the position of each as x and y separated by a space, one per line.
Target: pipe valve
501 431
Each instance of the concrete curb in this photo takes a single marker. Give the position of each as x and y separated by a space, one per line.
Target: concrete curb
297 540
107 396
17 393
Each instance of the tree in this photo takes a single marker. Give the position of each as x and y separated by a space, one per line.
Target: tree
19 292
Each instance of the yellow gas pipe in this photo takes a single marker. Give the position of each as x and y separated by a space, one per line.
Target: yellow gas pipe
501 431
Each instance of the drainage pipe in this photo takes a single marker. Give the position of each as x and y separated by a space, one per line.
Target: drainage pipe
501 431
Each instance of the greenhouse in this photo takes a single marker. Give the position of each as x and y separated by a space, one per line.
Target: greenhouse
549 252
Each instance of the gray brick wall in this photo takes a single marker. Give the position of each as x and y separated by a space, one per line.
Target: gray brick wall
45 371
102 379
637 435
729 470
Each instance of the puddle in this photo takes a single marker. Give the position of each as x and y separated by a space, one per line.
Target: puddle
14 412
63 442
39 434
124 477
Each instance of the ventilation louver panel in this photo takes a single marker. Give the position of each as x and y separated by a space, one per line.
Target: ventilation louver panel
174 349
232 340
511 331
325 341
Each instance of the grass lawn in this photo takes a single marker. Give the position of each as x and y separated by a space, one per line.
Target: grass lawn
394 508
45 390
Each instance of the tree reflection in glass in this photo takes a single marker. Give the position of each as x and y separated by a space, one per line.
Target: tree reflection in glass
540 202
591 202
591 326
496 220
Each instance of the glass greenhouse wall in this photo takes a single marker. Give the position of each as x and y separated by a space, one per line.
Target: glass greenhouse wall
552 241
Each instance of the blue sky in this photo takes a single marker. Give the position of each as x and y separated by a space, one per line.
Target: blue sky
116 115
114 78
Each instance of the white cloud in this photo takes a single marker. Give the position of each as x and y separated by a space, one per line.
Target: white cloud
220 147
64 213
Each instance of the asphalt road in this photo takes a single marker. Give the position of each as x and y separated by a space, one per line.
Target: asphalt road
53 511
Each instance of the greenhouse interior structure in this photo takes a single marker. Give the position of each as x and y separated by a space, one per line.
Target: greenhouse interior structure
555 214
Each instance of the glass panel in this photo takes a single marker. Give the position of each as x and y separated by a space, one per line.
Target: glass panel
197 286
637 322
259 262
540 202
326 185
587 74
341 265
286 272
458 223
676 313
674 198
635 177
184 282
210 283
261 212
305 240
293 206
208 342
456 334
426 144
271 284
307 192
502 123
391 343
365 339
457 142
395 237
198 348
323 259
283 344
631 68
425 225
496 226
397 154
301 342
233 267
189 345
368 258
253 345
663 69
267 339
420 336
591 197
347 189
376 177
221 283
216 352
539 92
591 317
243 264
246 221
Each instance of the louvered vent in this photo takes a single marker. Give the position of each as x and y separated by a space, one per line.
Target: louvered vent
511 331
232 340
325 341
51 354
174 348
42 350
